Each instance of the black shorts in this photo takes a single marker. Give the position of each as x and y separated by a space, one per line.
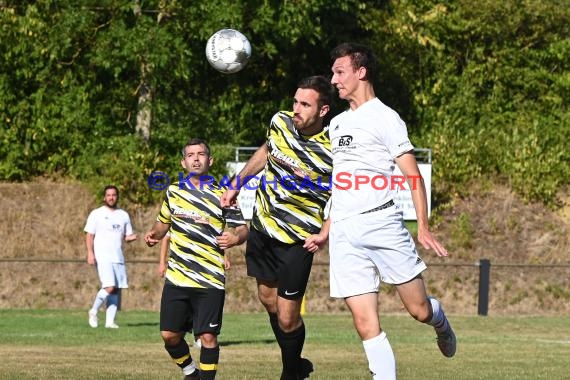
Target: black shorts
185 309
288 265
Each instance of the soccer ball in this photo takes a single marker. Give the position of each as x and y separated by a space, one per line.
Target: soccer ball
228 51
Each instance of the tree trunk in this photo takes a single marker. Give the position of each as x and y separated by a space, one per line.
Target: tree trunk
144 113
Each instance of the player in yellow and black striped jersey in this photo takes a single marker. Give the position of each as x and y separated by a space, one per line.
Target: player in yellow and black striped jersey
194 290
295 186
196 220
288 222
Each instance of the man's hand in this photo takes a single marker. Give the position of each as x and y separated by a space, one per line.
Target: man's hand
150 238
314 242
428 241
227 240
229 198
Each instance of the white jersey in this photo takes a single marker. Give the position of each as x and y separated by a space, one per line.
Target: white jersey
364 144
110 226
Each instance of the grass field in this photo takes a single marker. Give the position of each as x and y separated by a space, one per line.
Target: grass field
58 344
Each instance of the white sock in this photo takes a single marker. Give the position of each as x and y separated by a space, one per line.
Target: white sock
112 305
438 320
380 357
189 369
99 300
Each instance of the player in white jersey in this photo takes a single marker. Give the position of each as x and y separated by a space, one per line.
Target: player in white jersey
368 240
106 228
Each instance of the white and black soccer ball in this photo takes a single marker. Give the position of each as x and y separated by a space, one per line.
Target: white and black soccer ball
228 51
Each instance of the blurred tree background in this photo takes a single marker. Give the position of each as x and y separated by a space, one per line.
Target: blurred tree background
108 91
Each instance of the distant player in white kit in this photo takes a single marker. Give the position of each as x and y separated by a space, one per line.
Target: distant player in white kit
368 240
106 228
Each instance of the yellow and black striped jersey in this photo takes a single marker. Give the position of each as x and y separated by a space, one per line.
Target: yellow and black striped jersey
296 184
196 219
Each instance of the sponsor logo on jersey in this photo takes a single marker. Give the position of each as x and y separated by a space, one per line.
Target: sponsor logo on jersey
183 213
344 140
343 144
290 162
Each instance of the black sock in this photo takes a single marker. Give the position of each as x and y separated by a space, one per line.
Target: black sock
209 358
275 326
291 348
180 353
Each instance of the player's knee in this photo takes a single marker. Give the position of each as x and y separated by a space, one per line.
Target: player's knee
421 312
209 340
268 301
367 330
289 322
111 290
170 338
267 294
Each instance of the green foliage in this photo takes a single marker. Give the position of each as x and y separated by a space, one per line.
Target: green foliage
486 87
497 107
125 161
462 232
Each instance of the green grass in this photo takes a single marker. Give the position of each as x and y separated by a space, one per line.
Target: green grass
58 344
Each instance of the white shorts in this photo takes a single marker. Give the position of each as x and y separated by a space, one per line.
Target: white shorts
368 248
112 274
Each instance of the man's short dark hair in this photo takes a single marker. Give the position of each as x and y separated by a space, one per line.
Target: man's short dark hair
196 141
109 187
360 55
321 85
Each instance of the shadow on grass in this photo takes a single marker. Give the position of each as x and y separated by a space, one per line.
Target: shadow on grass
225 343
222 342
142 324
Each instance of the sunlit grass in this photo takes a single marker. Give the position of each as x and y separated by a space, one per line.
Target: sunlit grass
58 344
